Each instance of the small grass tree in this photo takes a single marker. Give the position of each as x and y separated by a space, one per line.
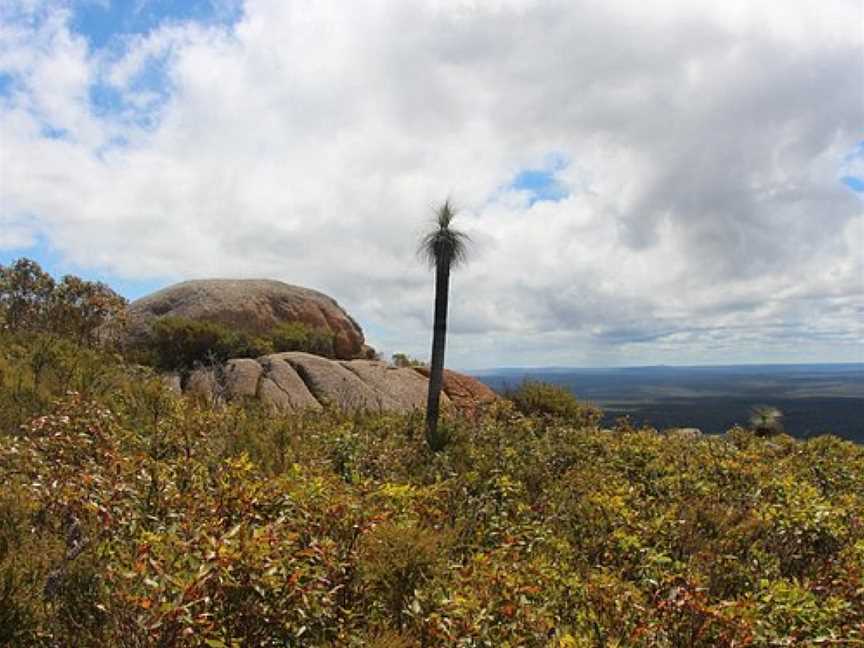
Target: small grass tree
443 248
766 420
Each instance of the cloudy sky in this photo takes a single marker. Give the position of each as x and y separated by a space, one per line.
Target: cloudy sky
674 181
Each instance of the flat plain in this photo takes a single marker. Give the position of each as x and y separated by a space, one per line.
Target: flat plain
814 398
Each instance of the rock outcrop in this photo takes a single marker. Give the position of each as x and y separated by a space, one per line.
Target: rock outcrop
294 382
242 376
251 305
467 393
404 385
281 387
334 385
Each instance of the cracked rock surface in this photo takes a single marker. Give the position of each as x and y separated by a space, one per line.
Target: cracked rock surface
296 381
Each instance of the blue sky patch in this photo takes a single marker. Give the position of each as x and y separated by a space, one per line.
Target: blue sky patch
52 262
100 23
152 81
857 152
542 184
153 78
855 184
108 26
105 99
52 132
850 170
6 82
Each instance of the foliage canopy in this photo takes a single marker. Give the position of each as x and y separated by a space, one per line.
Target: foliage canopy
88 312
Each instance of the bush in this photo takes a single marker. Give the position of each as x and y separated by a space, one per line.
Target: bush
393 563
296 336
403 360
180 344
37 368
130 516
766 420
541 399
19 600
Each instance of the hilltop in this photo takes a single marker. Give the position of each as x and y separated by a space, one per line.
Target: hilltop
251 306
287 347
133 515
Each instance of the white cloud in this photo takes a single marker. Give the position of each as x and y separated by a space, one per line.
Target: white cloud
308 142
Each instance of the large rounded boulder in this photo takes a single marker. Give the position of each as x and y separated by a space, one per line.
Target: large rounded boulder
253 306
295 382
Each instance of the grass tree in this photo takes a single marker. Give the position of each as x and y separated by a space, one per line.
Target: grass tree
443 248
766 420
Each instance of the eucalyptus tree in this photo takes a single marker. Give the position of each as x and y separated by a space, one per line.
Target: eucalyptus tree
443 248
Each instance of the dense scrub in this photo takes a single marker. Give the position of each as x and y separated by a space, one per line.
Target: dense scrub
131 517
554 403
180 344
92 315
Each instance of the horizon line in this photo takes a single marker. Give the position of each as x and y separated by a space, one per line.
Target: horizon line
664 366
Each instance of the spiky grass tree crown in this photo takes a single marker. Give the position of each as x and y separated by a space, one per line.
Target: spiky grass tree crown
444 245
765 416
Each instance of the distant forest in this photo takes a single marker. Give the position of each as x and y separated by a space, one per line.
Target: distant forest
815 399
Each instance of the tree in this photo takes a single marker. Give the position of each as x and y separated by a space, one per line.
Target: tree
443 249
26 292
31 301
89 312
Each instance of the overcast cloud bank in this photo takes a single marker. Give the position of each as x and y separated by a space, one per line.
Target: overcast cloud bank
644 183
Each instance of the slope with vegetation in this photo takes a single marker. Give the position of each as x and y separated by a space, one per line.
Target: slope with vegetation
255 310
131 516
181 344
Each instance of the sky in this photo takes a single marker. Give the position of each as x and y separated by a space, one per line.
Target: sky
673 182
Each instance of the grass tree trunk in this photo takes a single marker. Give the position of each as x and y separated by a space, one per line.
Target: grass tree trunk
436 369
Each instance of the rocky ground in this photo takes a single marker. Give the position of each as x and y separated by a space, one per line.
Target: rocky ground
295 381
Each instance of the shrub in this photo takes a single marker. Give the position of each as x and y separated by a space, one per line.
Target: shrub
36 368
534 398
19 599
394 561
404 360
296 336
179 344
130 516
766 420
